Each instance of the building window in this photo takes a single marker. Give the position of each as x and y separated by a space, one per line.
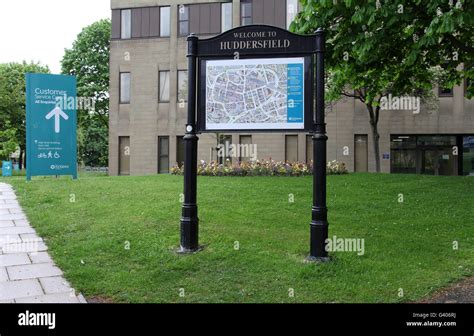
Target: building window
246 150
226 16
165 21
445 92
126 24
124 87
361 153
183 20
246 12
180 151
468 83
182 86
423 154
223 151
291 11
163 155
164 88
309 149
468 156
291 148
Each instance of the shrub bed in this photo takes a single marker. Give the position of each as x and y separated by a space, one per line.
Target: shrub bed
261 168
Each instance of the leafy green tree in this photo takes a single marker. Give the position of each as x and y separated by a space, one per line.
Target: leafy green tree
93 143
13 102
378 48
8 143
88 60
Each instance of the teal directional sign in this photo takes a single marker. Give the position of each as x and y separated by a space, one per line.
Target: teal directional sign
51 125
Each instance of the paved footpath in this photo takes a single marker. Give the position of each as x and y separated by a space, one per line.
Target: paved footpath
27 272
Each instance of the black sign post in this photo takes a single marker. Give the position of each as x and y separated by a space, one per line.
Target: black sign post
189 218
257 44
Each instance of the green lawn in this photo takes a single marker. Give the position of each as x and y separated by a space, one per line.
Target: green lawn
408 245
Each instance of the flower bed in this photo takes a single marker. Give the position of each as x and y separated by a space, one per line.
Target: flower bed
261 168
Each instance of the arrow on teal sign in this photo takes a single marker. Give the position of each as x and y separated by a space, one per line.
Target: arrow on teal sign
57 113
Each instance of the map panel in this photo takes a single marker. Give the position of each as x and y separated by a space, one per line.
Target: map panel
255 94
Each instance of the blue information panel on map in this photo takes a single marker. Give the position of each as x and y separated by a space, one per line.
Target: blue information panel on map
51 125
295 111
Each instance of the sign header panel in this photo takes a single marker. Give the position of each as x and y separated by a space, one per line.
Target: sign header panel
257 40
51 125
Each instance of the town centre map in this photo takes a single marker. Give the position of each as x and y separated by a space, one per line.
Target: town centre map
255 94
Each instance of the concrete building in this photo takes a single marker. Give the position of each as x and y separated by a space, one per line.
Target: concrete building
148 108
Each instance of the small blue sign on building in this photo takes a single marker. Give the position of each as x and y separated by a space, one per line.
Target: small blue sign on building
51 125
7 168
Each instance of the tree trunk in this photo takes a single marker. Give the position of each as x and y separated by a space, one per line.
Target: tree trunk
374 120
24 160
20 159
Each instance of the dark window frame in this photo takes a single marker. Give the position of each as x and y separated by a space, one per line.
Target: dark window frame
169 19
242 17
180 21
159 86
445 94
121 26
467 83
231 15
185 100
121 102
293 136
160 155
179 139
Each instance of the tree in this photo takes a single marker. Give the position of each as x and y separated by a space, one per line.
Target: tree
93 143
376 49
88 60
8 143
13 101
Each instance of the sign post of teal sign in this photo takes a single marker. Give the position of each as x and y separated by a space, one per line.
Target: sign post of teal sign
51 125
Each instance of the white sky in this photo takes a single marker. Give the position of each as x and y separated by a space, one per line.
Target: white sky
40 30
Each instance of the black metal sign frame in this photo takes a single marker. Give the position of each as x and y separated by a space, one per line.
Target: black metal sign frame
248 42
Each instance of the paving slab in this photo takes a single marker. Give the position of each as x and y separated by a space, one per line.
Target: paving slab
14 259
55 285
50 298
33 271
27 272
11 290
40 257
3 274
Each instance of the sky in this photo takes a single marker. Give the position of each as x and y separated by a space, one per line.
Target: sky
40 30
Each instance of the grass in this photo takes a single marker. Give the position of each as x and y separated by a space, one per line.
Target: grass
408 245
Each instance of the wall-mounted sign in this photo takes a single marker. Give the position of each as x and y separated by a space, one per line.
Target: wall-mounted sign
51 125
